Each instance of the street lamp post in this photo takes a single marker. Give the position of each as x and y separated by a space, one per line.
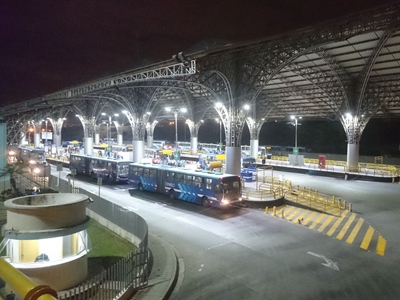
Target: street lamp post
220 133
295 135
45 141
176 112
109 122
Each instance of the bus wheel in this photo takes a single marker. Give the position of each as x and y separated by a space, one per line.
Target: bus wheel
140 187
205 202
172 194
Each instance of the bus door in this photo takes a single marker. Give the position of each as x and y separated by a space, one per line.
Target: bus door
161 180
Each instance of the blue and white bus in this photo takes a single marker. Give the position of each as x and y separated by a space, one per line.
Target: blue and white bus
30 155
197 186
109 169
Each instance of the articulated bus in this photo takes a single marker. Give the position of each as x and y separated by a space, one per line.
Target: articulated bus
30 155
197 186
109 169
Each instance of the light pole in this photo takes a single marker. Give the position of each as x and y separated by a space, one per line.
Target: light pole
176 112
45 143
109 122
295 135
220 133
30 130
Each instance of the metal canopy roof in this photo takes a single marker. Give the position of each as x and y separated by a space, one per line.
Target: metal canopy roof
348 65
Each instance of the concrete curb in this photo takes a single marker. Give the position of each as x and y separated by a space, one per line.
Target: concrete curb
164 273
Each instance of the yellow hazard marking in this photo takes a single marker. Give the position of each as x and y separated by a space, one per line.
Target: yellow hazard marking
309 218
301 216
288 210
346 227
336 224
317 221
367 238
355 231
381 246
326 223
294 213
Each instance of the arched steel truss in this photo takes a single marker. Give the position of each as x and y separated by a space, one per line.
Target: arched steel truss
348 67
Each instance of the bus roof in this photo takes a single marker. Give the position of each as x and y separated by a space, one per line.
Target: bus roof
102 158
188 171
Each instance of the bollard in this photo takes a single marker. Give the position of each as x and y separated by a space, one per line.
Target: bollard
344 204
339 203
266 210
350 207
333 199
274 210
283 213
325 204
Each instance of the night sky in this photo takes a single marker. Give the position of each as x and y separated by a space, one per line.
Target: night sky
47 46
50 45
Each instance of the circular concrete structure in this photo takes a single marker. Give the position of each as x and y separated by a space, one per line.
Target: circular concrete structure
46 211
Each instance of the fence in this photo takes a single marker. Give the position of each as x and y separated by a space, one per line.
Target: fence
127 275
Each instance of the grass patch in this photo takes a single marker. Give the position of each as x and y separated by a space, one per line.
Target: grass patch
106 243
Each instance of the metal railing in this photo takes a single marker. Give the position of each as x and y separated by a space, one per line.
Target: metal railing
127 275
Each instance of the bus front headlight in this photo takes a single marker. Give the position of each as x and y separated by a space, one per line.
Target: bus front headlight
225 202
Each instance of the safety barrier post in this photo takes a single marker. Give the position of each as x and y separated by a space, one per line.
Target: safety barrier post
283 214
350 207
266 210
325 204
333 199
344 204
274 211
23 285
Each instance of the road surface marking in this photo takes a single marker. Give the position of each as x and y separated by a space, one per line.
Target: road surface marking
367 238
316 222
381 246
346 227
328 263
326 223
336 224
309 218
355 231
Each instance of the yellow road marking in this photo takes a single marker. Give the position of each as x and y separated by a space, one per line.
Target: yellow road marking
301 216
346 227
309 218
355 231
316 222
336 224
293 214
326 223
285 211
381 246
367 238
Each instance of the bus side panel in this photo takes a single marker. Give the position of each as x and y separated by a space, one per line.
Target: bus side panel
188 193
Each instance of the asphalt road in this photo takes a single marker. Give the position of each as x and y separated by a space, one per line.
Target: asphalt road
245 254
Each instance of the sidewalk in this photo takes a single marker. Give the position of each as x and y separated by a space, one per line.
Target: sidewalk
164 272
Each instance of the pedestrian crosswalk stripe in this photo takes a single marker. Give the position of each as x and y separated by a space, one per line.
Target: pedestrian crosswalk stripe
381 246
316 222
355 231
325 224
346 227
367 238
336 224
